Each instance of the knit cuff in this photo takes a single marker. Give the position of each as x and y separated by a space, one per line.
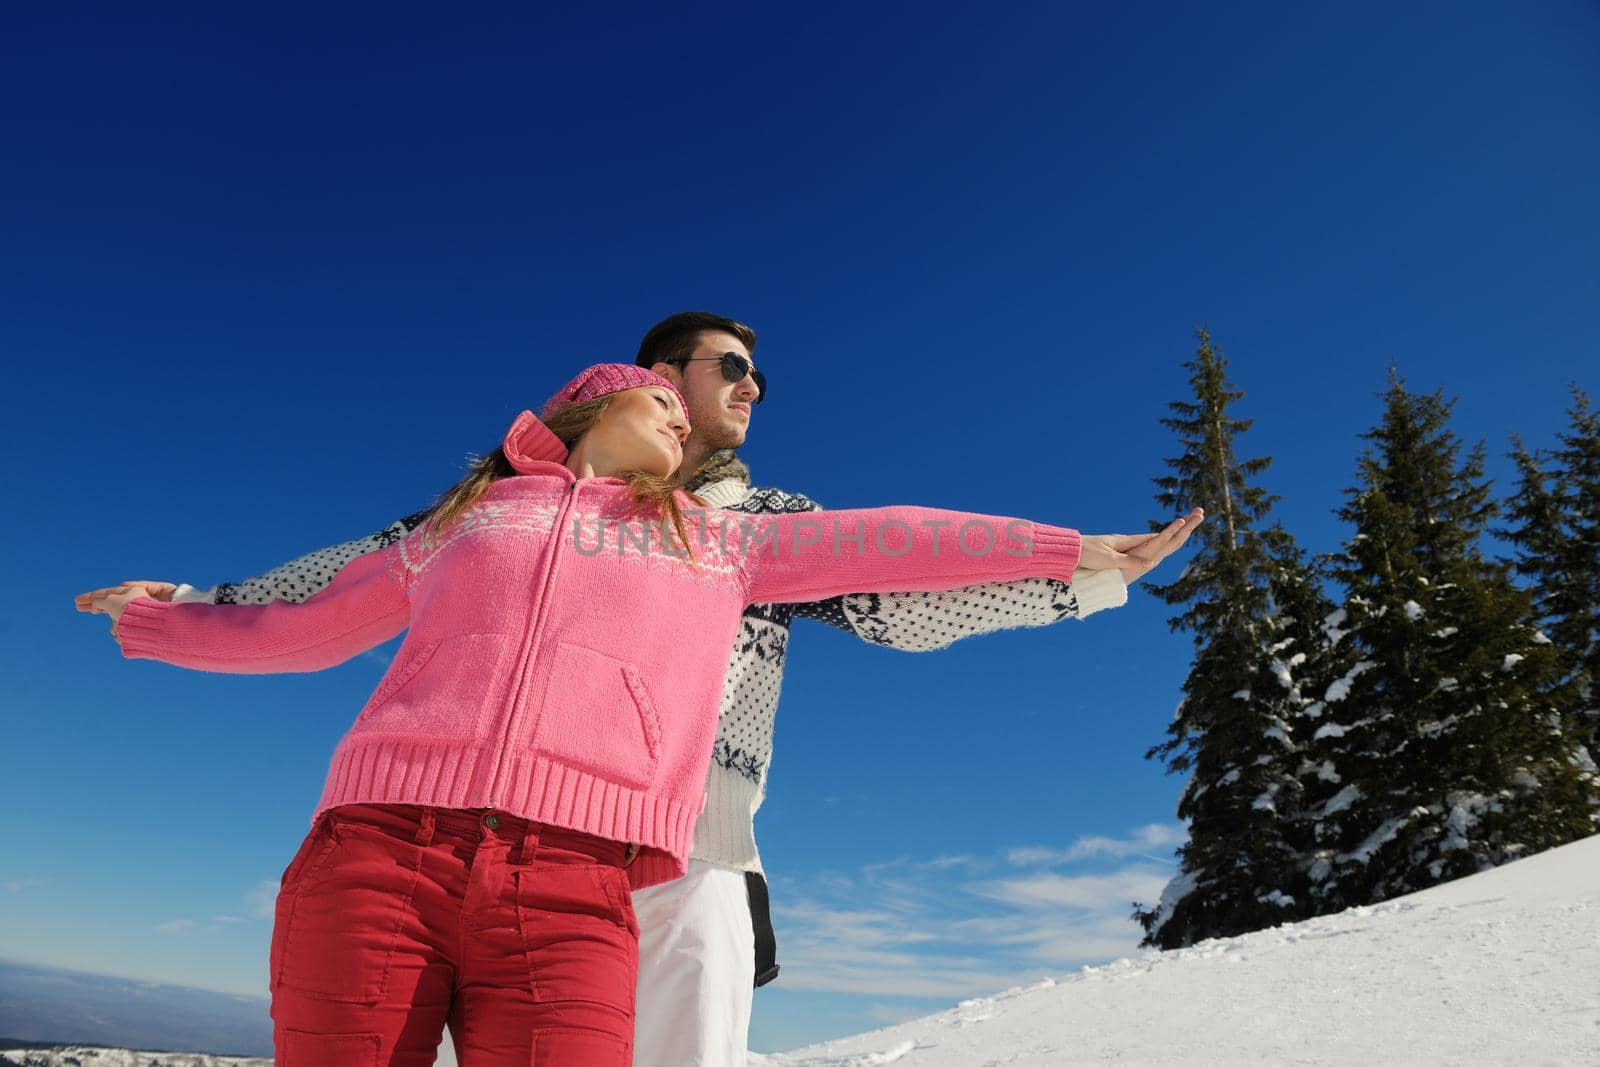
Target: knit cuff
140 629
1097 590
725 834
1055 551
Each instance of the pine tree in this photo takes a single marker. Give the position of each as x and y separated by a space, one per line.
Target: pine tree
1556 513
1447 732
1309 658
1234 729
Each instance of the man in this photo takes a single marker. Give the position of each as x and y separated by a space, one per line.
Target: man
694 995
706 939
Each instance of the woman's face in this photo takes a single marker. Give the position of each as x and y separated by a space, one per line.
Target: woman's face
641 429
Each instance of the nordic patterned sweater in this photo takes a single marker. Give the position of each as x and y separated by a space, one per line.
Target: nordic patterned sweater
742 754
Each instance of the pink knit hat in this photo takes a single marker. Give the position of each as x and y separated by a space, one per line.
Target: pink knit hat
603 379
529 441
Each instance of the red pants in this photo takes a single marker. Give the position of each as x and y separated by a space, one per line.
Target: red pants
392 921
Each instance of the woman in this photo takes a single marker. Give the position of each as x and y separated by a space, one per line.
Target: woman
540 741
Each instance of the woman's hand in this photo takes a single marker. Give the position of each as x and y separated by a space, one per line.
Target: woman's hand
94 600
1135 555
112 599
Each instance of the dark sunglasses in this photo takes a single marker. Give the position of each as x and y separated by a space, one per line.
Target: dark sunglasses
734 368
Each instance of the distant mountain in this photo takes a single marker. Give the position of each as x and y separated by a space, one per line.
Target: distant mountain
95 1056
44 1007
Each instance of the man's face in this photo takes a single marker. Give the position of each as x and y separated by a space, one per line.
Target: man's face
719 410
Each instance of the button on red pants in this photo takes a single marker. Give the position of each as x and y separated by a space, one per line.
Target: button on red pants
393 920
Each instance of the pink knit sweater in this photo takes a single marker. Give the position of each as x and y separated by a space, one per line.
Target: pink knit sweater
565 668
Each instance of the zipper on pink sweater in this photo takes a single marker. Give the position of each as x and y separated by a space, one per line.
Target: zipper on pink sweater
541 613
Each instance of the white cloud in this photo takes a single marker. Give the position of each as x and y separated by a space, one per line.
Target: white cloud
1087 892
1073 944
262 899
879 954
937 863
176 926
1156 837
17 885
947 928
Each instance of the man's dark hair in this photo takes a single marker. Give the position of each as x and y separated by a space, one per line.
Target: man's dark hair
674 338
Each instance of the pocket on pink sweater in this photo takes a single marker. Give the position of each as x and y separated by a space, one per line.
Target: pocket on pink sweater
453 688
598 716
400 672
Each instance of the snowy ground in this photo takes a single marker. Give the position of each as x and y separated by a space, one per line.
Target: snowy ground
1501 968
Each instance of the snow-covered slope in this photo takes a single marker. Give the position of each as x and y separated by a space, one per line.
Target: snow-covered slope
1499 968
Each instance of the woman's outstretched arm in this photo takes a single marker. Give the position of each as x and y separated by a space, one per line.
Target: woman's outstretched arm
818 555
363 605
870 550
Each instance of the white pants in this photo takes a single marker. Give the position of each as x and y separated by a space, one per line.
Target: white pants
696 970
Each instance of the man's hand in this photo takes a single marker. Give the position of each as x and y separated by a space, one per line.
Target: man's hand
1135 555
1118 543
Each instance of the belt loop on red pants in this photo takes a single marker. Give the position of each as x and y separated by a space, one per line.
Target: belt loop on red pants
530 841
425 828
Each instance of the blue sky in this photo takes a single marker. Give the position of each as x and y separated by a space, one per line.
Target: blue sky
270 274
